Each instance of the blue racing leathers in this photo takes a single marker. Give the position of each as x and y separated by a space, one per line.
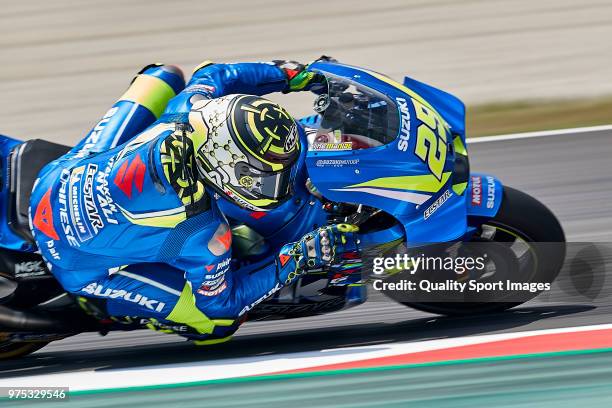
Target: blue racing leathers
110 224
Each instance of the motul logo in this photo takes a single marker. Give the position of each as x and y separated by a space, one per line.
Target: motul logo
476 191
130 173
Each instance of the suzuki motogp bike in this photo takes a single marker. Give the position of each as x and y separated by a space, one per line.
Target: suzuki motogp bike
389 157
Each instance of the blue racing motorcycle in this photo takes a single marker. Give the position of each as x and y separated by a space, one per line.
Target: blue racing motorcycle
389 157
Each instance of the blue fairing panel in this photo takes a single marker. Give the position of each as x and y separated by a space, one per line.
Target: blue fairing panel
391 177
449 106
484 195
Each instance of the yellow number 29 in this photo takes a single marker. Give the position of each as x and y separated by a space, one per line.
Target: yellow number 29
431 139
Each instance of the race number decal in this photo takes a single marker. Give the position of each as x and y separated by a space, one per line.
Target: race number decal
430 139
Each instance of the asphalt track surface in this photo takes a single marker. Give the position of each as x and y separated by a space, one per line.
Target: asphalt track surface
569 173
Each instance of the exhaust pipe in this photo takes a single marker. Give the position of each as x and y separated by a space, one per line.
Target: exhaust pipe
28 321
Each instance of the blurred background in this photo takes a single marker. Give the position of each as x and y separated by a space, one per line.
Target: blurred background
519 65
64 62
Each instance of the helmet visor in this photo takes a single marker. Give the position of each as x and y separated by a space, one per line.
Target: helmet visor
269 188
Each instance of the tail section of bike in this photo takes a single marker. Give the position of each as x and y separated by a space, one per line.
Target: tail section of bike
8 237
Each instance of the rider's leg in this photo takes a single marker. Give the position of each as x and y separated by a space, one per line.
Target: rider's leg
154 291
141 104
166 298
145 290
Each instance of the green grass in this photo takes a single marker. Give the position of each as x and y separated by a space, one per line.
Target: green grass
501 118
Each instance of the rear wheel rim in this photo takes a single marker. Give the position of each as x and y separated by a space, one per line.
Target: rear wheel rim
519 243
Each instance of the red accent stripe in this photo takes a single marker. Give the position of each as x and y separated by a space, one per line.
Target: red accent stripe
283 259
226 239
135 173
258 214
43 218
544 343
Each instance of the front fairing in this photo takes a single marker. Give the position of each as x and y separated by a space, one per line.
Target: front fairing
391 177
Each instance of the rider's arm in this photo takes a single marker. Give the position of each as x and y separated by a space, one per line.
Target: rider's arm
254 78
223 293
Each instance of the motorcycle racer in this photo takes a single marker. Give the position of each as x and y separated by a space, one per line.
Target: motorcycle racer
129 218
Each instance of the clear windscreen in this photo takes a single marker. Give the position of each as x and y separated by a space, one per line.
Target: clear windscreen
353 117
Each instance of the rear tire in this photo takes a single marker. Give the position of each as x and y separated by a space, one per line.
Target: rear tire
19 349
530 220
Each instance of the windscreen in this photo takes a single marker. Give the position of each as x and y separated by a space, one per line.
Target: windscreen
354 117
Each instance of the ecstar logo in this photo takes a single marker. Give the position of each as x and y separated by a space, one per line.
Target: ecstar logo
437 204
88 198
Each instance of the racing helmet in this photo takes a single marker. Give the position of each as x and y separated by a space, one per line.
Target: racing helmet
246 149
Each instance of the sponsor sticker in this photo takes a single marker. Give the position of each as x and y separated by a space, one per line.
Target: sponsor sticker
437 204
98 290
64 208
490 192
476 191
53 251
105 201
210 291
95 220
43 218
404 136
76 200
336 162
296 308
162 326
131 174
332 147
261 299
338 278
94 135
214 282
29 268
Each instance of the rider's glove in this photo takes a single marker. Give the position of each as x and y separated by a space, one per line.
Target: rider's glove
298 76
316 250
325 58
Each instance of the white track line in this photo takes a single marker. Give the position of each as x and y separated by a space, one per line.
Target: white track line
259 365
527 135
